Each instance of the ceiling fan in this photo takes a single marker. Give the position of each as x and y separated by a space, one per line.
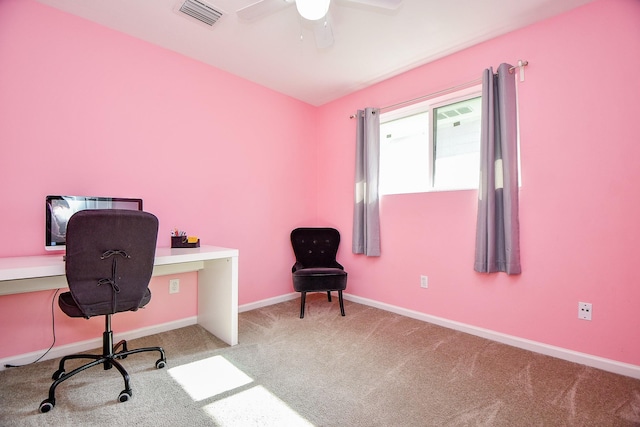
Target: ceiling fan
313 11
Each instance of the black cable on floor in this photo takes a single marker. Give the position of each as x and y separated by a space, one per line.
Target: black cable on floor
53 327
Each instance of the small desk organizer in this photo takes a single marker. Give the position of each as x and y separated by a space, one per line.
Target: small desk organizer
183 242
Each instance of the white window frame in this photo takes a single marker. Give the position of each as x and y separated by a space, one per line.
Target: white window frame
429 106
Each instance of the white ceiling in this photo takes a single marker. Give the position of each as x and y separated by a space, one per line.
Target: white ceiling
278 50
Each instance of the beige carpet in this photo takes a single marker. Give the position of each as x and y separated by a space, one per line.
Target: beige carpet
370 368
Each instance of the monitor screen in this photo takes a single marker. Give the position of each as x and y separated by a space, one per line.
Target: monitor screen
60 208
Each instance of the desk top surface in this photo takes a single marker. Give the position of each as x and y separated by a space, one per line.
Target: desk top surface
12 268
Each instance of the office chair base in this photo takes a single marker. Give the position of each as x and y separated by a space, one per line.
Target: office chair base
108 359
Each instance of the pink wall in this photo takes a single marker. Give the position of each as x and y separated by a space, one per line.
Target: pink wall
81 101
579 205
85 110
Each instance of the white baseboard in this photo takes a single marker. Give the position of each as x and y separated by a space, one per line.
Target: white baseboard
79 347
268 302
609 365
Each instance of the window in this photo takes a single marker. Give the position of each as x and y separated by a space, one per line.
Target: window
432 146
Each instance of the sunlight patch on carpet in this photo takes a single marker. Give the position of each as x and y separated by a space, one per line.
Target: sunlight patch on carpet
254 407
209 377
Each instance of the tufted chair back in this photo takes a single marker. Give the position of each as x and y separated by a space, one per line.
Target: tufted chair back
315 247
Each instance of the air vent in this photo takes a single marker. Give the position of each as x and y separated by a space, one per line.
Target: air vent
200 11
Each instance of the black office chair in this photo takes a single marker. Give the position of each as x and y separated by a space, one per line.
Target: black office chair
109 261
316 268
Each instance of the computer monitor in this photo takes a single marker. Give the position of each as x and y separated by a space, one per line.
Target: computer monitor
60 208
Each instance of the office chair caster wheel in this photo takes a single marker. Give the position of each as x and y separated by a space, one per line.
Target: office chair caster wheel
58 374
160 363
46 405
124 395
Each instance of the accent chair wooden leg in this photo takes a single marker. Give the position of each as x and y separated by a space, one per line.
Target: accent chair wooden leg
303 297
341 302
329 296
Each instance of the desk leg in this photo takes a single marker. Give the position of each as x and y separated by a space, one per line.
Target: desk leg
218 298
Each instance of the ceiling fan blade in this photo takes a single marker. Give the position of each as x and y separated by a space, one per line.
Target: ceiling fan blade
384 4
323 33
262 8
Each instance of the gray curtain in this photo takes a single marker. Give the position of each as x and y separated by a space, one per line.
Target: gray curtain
366 217
497 232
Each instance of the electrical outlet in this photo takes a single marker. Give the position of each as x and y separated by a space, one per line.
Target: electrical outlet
174 286
584 310
424 282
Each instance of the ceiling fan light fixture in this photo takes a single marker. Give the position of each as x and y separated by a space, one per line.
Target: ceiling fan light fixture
312 9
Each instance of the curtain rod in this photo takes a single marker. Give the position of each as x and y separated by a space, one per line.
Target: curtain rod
521 65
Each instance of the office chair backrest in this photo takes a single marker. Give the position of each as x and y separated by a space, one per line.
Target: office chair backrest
315 247
109 260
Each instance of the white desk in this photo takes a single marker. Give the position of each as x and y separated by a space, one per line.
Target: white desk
217 281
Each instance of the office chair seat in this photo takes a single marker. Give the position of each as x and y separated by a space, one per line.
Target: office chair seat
69 306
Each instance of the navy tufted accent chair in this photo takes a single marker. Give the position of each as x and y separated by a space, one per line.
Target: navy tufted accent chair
316 268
